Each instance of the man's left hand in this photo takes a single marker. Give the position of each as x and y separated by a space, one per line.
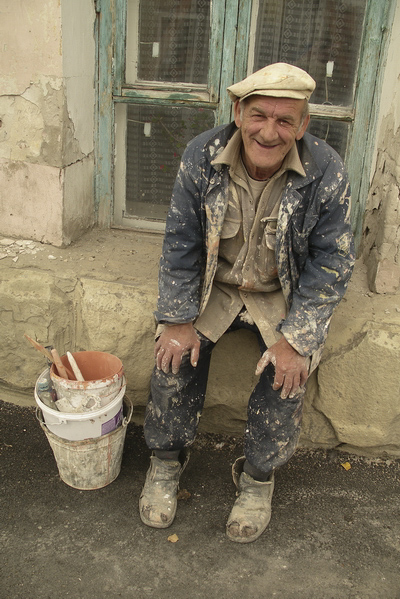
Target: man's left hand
291 368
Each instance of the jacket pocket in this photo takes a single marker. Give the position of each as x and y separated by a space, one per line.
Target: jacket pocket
301 234
299 241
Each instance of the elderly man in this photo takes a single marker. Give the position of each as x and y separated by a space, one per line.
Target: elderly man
258 237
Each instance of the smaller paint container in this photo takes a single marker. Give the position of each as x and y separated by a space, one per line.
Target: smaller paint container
91 463
103 374
82 425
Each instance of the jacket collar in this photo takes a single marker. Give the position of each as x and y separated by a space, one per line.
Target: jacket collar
311 168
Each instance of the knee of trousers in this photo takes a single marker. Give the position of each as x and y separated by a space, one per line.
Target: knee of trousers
173 411
272 432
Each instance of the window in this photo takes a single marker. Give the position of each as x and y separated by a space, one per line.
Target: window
169 95
165 78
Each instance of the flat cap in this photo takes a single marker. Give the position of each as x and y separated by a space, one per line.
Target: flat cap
280 80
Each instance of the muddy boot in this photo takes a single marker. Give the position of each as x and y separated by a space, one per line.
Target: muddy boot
251 512
157 503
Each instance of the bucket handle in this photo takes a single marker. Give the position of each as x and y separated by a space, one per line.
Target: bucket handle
39 417
128 417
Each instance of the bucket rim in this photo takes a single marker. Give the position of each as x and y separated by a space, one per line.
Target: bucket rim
80 415
117 375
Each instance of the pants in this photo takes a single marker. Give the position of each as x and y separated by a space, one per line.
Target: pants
176 402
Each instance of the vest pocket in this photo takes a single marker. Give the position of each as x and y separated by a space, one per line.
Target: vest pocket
266 261
230 228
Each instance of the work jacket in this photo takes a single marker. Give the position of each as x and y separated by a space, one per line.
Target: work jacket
314 243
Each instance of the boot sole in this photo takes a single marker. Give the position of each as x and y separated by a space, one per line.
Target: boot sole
245 539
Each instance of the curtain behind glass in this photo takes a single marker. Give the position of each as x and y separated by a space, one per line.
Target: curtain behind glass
174 40
156 137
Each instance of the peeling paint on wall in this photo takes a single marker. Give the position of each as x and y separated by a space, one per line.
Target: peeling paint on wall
381 240
36 126
47 100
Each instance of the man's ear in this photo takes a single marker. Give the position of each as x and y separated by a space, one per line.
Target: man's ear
303 128
236 112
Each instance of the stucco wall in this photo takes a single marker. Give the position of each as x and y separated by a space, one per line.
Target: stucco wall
47 100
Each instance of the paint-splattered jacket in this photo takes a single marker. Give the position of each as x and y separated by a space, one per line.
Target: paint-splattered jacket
314 243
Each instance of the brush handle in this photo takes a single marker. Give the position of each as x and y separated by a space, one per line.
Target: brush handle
59 365
39 347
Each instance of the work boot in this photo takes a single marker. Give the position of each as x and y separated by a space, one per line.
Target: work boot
157 503
251 511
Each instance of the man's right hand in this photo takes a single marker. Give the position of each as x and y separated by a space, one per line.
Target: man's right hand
175 341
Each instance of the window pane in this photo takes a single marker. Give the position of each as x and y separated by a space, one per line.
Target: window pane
156 138
315 35
174 40
335 133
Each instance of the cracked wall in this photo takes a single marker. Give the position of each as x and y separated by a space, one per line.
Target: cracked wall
47 101
381 231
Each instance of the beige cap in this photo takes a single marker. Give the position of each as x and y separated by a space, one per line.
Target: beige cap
280 80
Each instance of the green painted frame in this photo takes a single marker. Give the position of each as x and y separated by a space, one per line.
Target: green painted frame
111 40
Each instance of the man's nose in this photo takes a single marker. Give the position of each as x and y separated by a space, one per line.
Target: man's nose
269 131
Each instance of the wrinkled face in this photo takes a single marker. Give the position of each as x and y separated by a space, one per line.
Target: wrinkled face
270 126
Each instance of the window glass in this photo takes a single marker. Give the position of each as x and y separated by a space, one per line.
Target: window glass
155 139
174 40
322 37
335 133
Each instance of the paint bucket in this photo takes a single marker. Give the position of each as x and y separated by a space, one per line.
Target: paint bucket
82 425
91 463
103 374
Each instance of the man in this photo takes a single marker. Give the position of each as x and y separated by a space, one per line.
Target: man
258 236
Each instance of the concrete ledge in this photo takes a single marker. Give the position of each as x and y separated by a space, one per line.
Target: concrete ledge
99 294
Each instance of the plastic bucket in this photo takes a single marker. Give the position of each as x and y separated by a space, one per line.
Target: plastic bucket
83 425
103 374
92 463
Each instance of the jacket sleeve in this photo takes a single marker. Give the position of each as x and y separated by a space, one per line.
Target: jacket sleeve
181 263
326 268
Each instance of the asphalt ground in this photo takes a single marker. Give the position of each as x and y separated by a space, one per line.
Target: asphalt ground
334 532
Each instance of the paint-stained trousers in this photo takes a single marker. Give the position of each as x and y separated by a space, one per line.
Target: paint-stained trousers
176 402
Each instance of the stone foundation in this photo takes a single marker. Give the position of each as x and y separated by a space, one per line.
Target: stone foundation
99 294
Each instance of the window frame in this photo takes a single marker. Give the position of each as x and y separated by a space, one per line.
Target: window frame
227 39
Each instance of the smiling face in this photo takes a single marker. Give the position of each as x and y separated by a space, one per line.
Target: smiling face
270 126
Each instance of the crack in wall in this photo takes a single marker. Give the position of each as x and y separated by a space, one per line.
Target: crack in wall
50 138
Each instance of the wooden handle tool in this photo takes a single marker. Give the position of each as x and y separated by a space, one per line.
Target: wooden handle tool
40 348
59 365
